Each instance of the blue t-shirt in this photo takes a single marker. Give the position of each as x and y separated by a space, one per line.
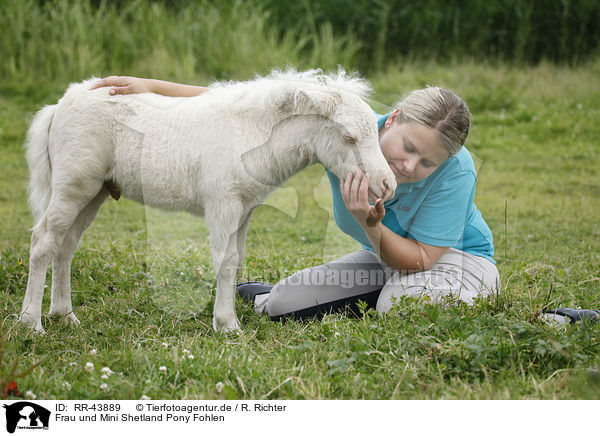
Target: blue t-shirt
438 210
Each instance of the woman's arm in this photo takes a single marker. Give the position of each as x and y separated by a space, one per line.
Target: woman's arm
398 252
175 89
402 253
136 85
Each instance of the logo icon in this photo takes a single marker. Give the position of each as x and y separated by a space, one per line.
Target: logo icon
26 415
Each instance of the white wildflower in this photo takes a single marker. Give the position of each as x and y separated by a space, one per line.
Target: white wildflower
145 397
106 372
89 367
187 354
219 387
163 369
165 345
67 385
92 352
30 395
103 386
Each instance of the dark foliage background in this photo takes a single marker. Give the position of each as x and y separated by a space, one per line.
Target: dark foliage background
523 30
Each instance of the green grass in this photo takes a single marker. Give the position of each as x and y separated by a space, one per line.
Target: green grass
517 30
234 38
71 39
142 279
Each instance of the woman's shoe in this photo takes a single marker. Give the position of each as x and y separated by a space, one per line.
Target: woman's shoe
249 290
576 315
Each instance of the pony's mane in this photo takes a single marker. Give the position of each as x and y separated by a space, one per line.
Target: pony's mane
349 82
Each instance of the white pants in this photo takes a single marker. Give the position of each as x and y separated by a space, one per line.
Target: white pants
458 274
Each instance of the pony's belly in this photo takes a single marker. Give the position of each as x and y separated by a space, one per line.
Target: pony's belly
160 189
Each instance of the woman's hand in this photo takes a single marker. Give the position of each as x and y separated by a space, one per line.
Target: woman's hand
136 85
355 192
125 85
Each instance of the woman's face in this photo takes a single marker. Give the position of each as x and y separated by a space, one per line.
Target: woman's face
413 151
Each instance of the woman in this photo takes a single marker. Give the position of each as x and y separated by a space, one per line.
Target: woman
429 241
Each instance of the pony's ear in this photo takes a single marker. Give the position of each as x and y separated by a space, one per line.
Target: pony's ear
315 101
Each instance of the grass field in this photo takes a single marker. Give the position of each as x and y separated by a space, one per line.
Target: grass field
142 279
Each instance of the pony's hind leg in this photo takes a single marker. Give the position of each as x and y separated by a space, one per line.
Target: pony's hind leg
60 301
46 239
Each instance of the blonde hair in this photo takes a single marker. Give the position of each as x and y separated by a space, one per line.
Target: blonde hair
441 110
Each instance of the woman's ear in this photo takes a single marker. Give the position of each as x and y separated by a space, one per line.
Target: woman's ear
393 115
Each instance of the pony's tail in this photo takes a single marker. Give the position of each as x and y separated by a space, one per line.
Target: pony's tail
38 159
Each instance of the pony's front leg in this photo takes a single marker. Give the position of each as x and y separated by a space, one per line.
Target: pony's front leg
227 229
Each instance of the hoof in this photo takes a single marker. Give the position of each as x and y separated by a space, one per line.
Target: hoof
71 319
68 319
227 325
34 323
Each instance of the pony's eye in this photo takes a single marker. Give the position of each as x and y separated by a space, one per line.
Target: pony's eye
350 138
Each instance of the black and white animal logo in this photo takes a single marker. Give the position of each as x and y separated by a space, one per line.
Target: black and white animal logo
26 415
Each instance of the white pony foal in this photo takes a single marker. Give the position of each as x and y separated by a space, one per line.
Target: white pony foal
217 155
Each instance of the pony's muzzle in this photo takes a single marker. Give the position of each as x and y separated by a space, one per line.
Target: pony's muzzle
387 193
383 191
